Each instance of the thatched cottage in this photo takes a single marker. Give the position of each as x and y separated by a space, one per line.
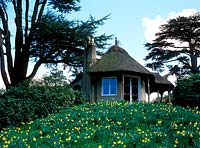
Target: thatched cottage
118 76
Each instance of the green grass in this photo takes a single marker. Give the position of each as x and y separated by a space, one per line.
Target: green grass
109 124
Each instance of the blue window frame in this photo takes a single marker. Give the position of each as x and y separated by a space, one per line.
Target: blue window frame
109 86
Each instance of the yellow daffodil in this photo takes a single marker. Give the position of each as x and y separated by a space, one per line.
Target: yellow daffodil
34 139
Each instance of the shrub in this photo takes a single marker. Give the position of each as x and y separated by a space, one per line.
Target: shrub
35 99
187 92
80 97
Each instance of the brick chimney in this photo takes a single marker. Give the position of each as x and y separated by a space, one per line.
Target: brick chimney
90 52
89 60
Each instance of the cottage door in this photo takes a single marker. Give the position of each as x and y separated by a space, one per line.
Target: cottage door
130 89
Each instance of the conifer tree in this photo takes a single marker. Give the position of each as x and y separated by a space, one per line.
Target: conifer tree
176 46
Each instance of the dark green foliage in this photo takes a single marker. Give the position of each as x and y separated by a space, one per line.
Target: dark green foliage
36 99
65 6
176 46
80 97
44 33
187 92
66 43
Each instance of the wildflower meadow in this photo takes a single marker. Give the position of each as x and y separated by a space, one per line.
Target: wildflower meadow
109 124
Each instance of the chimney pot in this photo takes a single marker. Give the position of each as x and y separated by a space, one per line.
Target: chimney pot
116 42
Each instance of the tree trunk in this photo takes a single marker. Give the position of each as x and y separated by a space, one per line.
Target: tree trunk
194 62
193 57
2 63
21 51
161 97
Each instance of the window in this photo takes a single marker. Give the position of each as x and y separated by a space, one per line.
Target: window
109 86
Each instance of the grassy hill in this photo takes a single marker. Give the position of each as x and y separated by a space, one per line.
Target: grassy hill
109 124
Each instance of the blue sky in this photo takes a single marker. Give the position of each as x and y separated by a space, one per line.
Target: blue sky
133 22
129 19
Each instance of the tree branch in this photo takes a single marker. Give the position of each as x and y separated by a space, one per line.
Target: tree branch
169 61
41 10
35 69
7 44
19 32
33 21
68 62
26 18
35 11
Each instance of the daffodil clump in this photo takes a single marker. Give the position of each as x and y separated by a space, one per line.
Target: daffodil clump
109 124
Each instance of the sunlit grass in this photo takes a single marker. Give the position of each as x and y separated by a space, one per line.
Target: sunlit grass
109 124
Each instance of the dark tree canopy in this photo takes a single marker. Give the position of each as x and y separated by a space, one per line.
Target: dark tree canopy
44 34
176 46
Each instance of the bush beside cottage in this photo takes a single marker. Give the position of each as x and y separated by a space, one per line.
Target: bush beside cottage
187 91
36 99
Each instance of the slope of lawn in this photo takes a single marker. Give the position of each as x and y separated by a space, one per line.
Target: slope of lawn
109 124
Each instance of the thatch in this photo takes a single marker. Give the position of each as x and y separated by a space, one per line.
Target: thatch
161 80
117 59
161 84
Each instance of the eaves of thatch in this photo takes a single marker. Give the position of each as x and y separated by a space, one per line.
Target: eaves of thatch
161 84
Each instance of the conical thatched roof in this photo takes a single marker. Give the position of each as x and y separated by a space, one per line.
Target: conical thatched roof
117 59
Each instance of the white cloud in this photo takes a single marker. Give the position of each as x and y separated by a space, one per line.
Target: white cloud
152 25
185 12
